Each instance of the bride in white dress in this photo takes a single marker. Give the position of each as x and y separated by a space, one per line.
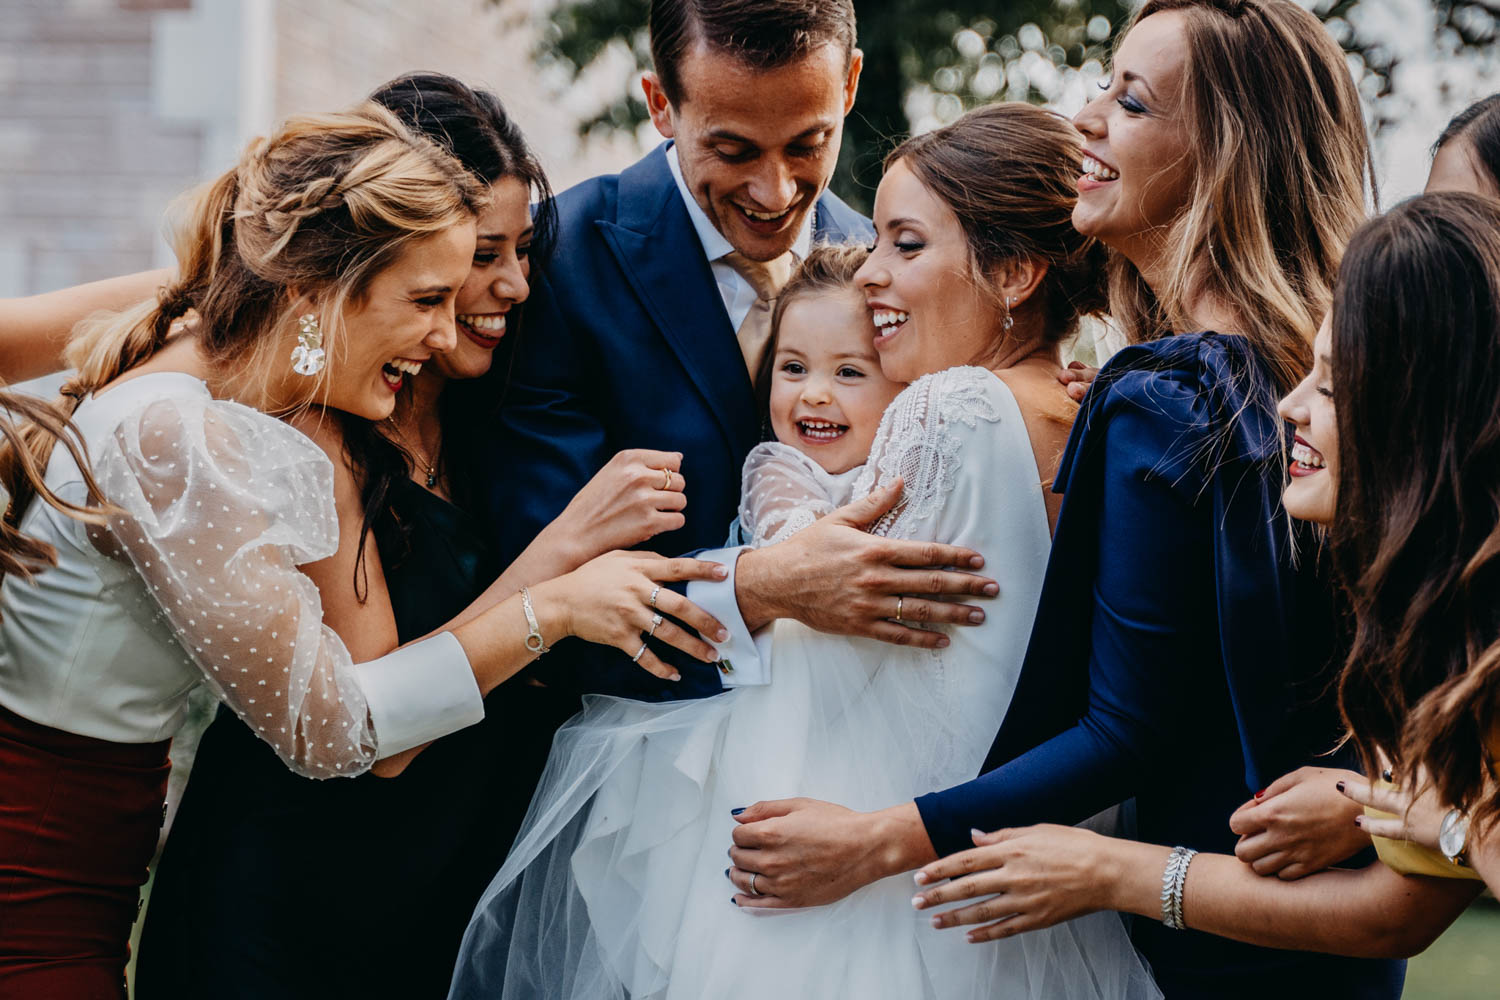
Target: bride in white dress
616 886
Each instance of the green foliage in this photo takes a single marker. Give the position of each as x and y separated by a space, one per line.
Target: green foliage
937 58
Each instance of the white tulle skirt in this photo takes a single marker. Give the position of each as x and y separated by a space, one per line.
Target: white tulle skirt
616 888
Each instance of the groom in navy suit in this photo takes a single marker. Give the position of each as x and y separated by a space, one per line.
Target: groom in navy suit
642 333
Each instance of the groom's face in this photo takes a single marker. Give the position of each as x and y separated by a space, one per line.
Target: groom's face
757 146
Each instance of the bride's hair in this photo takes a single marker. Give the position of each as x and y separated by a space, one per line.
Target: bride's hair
1416 540
322 206
1009 172
1278 183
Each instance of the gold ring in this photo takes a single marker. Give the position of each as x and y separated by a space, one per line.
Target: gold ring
899 601
666 482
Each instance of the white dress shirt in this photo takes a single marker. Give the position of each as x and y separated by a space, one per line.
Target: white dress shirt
746 658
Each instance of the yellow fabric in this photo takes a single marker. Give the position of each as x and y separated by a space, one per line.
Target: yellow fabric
1413 859
767 278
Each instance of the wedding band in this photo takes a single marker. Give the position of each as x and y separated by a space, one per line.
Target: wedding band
666 482
637 657
899 601
654 591
753 891
655 621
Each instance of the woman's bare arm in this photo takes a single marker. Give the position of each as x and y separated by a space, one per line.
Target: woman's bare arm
34 330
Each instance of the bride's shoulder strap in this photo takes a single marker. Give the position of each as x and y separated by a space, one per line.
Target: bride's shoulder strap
920 438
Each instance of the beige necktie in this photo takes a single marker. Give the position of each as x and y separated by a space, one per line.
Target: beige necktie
767 278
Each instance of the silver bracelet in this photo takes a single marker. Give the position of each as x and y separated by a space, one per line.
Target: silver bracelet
534 640
1173 878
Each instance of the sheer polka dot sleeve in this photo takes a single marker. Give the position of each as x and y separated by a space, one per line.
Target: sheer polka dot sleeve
218 505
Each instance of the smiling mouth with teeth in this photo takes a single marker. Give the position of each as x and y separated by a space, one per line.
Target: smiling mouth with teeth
888 321
821 431
1306 459
485 328
395 371
1098 171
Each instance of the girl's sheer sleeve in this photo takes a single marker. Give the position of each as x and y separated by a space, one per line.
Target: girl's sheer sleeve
217 507
782 492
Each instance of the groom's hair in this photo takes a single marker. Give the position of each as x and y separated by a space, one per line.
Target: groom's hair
765 34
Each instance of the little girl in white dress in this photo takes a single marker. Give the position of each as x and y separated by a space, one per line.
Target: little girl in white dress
616 886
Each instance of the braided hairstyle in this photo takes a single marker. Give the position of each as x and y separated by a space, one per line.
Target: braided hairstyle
322 206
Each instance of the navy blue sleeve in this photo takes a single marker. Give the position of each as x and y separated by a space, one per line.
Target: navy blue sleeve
1151 627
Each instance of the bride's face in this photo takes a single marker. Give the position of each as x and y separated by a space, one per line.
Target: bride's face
929 313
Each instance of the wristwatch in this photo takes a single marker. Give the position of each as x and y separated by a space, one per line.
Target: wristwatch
1453 837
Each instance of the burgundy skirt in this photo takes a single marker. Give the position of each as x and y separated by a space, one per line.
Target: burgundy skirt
79 819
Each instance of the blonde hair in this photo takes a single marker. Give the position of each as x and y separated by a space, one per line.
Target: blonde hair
320 207
1279 186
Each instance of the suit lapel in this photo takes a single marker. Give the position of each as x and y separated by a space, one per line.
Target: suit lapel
662 258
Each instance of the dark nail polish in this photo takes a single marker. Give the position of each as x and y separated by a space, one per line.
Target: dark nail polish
726 873
1260 793
735 900
736 812
1339 786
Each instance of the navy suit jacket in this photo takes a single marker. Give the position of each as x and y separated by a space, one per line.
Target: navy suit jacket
625 343
1181 654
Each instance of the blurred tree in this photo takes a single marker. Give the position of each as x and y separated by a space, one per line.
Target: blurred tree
928 60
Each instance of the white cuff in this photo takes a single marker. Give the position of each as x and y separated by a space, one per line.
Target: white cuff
419 693
745 659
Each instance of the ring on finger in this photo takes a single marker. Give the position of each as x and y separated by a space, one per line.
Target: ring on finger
654 591
655 621
900 602
638 653
666 479
754 891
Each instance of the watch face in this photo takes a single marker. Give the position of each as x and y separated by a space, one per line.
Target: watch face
1453 835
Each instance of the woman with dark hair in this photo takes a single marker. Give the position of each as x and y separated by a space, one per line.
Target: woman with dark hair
1466 157
616 886
1178 644
1400 463
240 907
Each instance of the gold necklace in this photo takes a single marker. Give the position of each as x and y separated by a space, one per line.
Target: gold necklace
416 453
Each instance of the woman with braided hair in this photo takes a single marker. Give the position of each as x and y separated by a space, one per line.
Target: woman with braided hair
323 270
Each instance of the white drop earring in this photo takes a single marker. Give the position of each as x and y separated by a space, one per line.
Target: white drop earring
1010 320
307 356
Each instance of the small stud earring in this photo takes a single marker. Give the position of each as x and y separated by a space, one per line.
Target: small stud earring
307 356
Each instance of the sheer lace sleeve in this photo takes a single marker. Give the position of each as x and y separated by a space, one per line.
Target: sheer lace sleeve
782 491
918 441
218 505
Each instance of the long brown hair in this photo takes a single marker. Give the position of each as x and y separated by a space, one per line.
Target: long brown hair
1009 172
1281 173
1416 540
322 206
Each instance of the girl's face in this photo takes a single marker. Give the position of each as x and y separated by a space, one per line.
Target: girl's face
1456 167
918 284
405 315
1136 160
827 389
1311 494
498 281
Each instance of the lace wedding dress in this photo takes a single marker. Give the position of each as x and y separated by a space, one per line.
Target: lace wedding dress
616 886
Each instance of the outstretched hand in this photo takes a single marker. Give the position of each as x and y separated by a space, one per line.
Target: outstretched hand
836 577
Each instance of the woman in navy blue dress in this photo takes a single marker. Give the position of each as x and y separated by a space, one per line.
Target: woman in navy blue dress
1180 647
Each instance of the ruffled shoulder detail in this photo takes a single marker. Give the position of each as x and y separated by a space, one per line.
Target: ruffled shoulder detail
183 456
919 440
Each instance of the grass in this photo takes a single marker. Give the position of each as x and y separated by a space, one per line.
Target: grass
1464 962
